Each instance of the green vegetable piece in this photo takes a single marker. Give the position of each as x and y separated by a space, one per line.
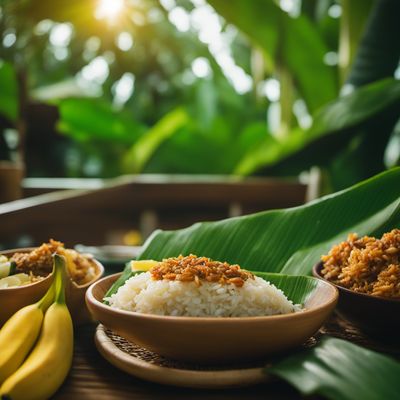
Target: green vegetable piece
13 268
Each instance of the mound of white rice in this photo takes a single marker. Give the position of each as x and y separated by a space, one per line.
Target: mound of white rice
166 297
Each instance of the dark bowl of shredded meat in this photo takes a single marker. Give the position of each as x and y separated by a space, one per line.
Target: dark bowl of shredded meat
366 271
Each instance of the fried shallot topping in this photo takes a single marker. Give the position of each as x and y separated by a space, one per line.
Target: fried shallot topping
192 268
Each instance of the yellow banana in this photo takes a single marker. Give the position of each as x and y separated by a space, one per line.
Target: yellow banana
17 337
19 334
46 367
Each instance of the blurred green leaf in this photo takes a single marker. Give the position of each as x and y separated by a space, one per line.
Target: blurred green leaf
355 14
280 240
188 152
252 136
140 153
269 152
351 110
378 52
92 119
258 19
334 125
304 51
8 91
206 103
340 370
80 13
296 42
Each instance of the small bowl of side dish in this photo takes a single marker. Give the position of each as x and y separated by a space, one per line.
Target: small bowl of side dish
366 271
211 339
14 298
377 316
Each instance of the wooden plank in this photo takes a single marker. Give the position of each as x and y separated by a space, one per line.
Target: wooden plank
87 215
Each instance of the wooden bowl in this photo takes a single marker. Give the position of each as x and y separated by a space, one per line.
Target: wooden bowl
374 315
14 298
214 340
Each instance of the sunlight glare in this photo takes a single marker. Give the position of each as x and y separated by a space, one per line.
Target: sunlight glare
109 9
272 89
201 67
123 89
61 34
97 70
124 41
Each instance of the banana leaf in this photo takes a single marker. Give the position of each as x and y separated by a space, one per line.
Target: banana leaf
295 42
334 126
340 370
289 240
378 54
141 151
87 119
126 274
296 288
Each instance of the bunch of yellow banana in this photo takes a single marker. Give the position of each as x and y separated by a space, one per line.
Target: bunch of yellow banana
36 374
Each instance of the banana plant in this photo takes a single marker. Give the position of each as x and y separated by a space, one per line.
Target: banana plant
334 126
140 152
292 42
356 149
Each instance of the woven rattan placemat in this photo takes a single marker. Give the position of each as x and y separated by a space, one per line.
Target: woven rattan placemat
145 364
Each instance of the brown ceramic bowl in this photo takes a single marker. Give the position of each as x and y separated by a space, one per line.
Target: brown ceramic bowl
374 315
14 298
214 340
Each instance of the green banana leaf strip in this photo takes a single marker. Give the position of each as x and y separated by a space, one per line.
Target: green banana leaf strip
271 241
126 274
340 370
296 288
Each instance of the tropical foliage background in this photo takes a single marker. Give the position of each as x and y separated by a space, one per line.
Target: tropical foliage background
98 88
188 86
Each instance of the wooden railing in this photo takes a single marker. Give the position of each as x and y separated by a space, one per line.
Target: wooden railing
99 212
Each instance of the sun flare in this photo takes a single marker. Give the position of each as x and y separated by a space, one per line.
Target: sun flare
109 9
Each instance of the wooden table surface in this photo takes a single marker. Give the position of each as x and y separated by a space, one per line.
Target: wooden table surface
92 377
